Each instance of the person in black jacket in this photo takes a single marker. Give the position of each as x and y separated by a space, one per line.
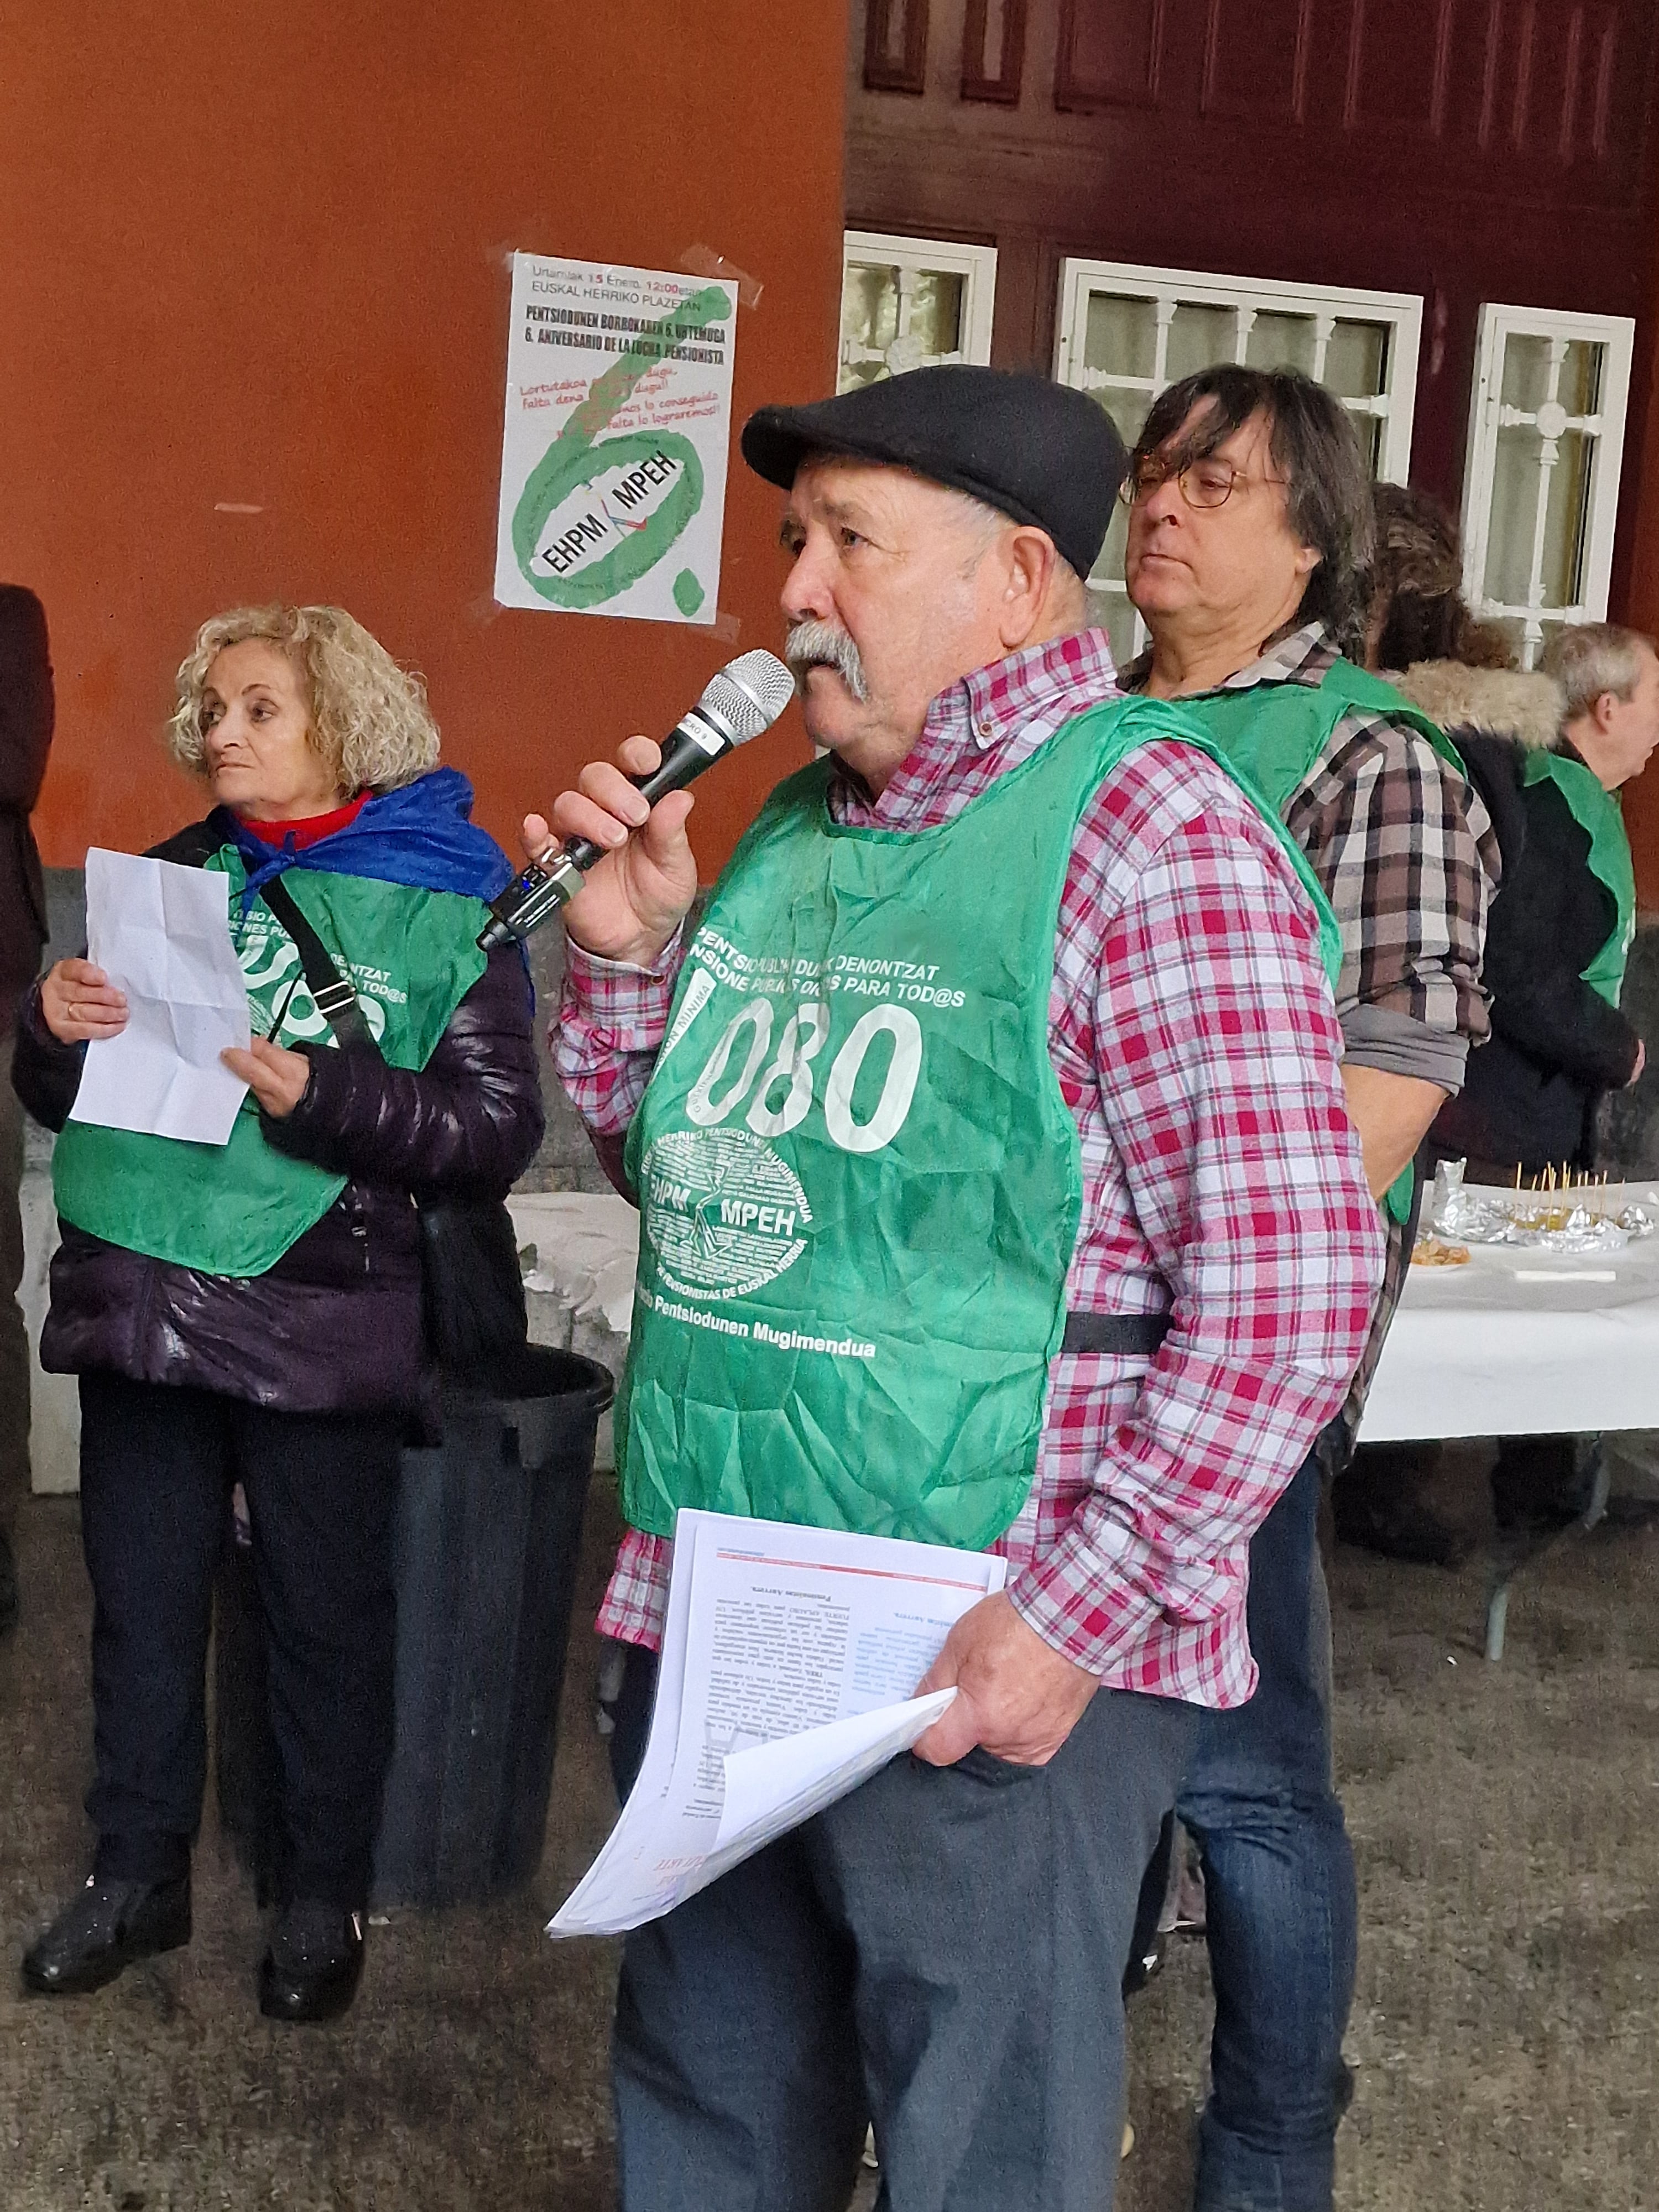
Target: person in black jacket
1559 1041
1560 930
1556 937
25 714
252 1313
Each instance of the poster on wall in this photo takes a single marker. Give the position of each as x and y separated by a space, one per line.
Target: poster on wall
613 454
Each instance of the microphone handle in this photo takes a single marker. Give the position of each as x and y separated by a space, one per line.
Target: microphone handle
554 881
684 756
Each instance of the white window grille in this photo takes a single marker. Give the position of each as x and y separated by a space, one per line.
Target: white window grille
911 303
1540 489
1127 333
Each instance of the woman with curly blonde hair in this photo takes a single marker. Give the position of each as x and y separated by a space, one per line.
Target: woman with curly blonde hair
252 1313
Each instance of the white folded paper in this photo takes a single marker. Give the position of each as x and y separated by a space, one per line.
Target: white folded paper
162 934
789 1663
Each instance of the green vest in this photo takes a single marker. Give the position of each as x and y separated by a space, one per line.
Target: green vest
1274 732
859 1183
1599 814
235 1209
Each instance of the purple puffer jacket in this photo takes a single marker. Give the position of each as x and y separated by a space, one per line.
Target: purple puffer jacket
335 1325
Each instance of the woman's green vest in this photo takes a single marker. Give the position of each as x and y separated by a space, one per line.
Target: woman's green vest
1274 733
1599 815
235 1209
859 1183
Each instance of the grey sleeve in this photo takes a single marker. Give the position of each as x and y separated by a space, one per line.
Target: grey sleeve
1397 1044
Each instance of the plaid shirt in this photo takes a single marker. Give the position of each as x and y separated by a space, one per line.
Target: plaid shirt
1192 1032
1405 851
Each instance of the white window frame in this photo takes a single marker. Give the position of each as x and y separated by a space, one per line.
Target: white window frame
975 265
1248 297
1488 415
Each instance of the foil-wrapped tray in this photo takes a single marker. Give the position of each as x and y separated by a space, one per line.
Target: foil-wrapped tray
1574 1217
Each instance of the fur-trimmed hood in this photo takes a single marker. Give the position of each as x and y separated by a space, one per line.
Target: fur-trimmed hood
1528 707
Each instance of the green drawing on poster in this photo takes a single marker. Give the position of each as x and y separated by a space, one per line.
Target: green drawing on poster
688 592
580 455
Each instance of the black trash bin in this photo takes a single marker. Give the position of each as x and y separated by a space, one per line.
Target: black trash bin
487 1543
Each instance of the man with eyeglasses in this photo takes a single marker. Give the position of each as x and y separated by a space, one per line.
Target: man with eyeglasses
1250 536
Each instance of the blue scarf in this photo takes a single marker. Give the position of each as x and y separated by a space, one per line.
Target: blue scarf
422 835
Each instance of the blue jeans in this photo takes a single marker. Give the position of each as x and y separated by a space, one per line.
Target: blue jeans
1280 1890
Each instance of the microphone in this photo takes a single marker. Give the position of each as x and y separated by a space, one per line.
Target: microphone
744 698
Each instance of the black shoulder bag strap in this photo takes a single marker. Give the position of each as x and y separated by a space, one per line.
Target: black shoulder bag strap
476 1316
337 999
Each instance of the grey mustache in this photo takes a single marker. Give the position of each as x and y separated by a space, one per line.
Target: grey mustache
821 644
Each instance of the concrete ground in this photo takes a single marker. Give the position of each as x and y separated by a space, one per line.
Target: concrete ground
1504 2037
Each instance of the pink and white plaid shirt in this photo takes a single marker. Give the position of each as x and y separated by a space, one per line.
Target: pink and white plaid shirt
1195 1040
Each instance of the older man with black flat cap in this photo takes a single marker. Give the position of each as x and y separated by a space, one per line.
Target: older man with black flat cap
1093 1197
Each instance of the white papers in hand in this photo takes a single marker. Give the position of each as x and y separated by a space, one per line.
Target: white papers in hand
789 1661
162 934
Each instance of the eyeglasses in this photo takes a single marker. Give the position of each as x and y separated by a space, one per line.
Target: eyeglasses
1204 484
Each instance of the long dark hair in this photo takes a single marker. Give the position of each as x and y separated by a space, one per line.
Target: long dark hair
1315 449
1417 587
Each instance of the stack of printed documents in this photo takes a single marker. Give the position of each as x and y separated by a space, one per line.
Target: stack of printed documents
790 1661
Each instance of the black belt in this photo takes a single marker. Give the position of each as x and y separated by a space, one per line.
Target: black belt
1129 1336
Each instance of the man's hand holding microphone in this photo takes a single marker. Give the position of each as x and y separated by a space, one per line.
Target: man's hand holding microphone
649 883
635 898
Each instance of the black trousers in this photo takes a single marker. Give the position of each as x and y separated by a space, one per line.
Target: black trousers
157 1465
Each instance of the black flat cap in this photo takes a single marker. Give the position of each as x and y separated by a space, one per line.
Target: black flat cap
1036 451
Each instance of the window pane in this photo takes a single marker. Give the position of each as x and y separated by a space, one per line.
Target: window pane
869 306
1514 513
936 312
1129 410
1526 372
1581 377
1278 341
1566 523
1357 360
1370 428
1198 337
1121 337
902 317
1515 518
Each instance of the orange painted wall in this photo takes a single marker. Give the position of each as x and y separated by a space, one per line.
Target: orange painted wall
256 257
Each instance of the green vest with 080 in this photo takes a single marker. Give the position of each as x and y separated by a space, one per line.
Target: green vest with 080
859 1183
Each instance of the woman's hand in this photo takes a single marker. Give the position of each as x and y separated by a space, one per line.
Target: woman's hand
80 1005
632 901
276 1076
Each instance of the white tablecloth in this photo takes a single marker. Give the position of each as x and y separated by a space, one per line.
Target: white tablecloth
1517 1343
1522 1343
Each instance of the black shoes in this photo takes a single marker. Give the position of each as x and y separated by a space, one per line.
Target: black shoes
310 1972
103 1929
1397 1527
315 1964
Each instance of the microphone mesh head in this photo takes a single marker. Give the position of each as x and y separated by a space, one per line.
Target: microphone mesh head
749 694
